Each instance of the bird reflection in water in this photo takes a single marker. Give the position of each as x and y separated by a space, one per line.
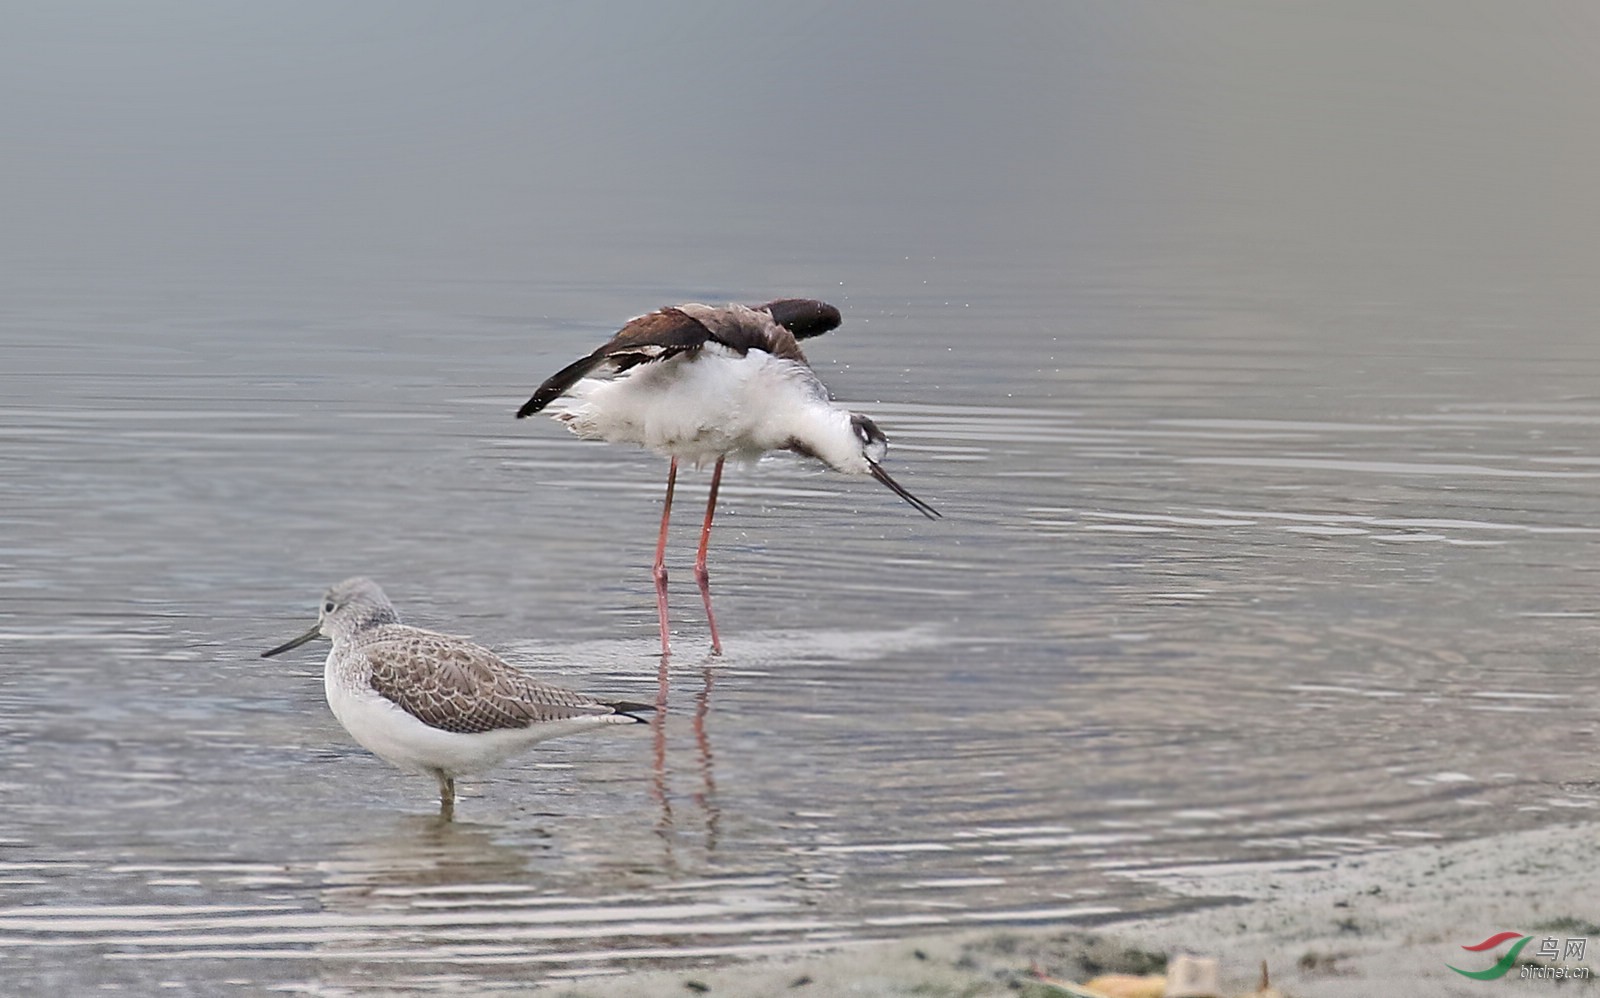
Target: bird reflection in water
705 798
419 852
658 769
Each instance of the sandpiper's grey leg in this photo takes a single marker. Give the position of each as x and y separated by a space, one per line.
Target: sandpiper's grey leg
447 794
660 569
702 576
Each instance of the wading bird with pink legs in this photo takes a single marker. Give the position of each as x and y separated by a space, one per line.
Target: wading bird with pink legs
697 383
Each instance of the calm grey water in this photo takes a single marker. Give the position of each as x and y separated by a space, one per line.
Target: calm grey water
1250 353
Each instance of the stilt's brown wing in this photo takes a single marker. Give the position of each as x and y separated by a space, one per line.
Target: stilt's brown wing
773 327
804 317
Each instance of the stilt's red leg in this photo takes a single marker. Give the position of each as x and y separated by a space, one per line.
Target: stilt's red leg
660 570
702 576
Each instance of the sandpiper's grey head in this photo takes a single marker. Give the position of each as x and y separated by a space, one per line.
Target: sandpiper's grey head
348 608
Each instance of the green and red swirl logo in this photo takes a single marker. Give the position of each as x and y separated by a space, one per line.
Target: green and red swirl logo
1505 963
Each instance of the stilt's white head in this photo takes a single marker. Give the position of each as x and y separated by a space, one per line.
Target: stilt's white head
852 443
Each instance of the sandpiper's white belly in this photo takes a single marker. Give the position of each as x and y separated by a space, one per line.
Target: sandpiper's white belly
402 740
699 406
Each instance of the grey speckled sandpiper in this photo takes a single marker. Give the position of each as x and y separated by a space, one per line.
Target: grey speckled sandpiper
433 703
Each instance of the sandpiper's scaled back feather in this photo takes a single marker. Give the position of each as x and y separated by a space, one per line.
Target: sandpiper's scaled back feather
668 332
454 685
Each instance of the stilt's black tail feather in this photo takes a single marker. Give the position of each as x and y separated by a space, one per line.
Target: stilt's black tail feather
558 383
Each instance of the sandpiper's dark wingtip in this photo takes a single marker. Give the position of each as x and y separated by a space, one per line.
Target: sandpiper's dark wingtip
804 317
628 708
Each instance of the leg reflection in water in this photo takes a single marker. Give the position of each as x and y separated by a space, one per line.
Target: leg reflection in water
705 798
658 768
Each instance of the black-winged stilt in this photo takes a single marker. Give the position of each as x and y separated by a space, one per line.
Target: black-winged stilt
697 382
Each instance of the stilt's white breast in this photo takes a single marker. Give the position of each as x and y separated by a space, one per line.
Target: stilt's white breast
699 406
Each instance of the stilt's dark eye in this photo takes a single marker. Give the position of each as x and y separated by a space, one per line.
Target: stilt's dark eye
327 607
866 430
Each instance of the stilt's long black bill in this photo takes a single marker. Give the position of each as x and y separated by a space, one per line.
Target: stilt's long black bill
311 635
897 489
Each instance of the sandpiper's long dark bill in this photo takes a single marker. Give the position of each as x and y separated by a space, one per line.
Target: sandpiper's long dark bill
292 643
695 382
433 703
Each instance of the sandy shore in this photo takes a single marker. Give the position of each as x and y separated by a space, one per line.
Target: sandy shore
1385 924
